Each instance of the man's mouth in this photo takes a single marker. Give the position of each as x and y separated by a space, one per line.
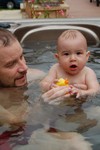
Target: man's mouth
21 80
21 77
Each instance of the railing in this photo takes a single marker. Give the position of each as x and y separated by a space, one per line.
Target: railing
35 34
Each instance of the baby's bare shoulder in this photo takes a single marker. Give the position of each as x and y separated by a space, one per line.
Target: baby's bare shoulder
55 66
89 71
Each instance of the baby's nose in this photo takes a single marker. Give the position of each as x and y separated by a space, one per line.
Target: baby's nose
73 57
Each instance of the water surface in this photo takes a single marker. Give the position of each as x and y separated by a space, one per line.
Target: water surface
41 118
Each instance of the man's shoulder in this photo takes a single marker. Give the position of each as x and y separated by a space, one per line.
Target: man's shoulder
34 74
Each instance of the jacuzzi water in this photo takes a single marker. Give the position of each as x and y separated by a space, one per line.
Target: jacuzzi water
83 119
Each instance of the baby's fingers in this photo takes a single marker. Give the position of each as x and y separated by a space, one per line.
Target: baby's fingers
81 86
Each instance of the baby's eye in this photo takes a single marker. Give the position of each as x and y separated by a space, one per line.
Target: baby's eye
66 54
79 53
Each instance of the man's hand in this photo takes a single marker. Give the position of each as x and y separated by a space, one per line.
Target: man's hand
57 94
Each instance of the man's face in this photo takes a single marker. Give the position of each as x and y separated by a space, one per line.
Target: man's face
13 67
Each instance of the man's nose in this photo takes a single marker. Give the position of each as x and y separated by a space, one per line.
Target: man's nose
22 66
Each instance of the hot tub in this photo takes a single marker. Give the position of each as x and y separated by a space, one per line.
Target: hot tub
38 39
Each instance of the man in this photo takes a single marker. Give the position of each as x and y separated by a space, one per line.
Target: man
13 73
13 69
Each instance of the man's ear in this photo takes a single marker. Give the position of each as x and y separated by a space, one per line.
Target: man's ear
56 56
87 55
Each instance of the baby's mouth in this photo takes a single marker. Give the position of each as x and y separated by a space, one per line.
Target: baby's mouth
73 67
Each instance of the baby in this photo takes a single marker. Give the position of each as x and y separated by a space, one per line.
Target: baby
72 56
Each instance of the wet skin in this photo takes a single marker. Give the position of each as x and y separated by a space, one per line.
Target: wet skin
13 68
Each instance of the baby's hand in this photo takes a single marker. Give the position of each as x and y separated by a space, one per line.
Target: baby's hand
72 91
62 82
75 92
81 86
54 84
78 91
59 82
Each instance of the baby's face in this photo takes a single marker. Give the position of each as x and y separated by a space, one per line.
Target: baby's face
72 55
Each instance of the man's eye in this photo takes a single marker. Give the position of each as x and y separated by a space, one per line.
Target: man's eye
9 65
22 56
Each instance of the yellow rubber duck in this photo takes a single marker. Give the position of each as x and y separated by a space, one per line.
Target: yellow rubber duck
62 82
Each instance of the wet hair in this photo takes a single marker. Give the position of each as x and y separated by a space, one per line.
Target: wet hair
6 38
70 34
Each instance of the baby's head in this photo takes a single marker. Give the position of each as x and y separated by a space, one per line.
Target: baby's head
71 37
72 51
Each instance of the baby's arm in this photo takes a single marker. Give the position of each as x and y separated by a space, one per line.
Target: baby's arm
92 83
91 88
49 79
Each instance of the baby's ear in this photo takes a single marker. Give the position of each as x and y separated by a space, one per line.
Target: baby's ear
56 56
87 55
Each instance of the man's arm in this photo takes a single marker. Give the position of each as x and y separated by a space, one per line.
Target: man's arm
47 82
35 74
